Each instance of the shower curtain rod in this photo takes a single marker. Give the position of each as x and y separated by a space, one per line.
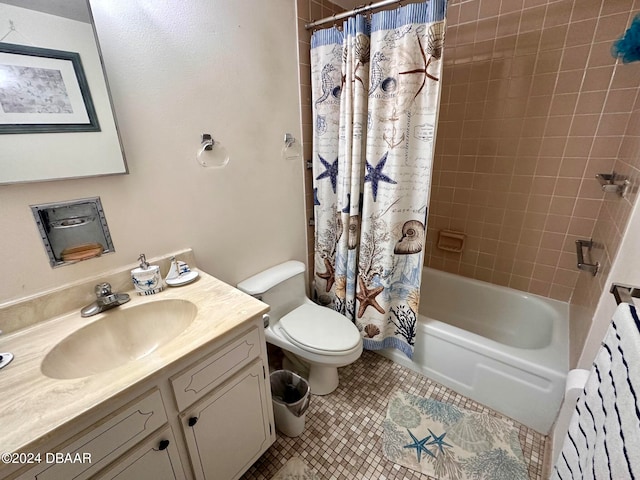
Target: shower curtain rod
361 9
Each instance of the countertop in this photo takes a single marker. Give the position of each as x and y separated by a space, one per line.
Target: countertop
33 407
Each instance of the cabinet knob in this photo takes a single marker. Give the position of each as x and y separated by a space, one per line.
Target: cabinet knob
163 444
192 421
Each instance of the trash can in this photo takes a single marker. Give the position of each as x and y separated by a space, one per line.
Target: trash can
290 394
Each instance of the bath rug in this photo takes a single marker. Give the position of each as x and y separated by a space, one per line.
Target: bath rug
449 442
296 469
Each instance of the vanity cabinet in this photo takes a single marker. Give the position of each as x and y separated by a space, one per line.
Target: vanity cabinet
208 416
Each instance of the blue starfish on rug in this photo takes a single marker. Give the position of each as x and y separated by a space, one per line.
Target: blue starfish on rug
419 445
438 440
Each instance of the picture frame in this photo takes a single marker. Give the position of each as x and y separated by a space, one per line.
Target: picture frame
44 91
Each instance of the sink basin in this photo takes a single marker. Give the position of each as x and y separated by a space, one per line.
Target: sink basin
122 335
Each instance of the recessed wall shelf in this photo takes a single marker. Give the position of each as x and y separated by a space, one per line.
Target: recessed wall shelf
73 231
613 183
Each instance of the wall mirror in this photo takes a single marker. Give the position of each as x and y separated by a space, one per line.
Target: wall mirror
56 114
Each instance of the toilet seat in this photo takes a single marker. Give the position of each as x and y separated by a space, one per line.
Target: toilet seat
320 330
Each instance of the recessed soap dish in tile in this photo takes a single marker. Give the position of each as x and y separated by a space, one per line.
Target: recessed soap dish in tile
451 241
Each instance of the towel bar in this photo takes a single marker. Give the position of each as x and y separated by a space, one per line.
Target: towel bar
624 293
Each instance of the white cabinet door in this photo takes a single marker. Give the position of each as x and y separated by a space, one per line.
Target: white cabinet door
229 429
155 459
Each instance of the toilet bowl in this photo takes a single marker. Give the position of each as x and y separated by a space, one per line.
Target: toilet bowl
317 336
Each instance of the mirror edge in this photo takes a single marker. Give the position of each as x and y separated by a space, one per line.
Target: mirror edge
113 113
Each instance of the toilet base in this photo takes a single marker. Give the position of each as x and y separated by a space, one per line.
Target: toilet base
322 379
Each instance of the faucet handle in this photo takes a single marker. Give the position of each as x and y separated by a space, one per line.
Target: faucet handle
103 290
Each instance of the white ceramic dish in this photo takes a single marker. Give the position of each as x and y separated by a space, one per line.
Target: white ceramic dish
183 279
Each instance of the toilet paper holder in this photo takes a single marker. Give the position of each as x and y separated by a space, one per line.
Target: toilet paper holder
624 293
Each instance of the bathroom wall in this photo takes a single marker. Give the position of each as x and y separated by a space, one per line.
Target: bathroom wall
177 69
533 106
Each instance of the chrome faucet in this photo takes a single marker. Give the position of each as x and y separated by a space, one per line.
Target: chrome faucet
104 300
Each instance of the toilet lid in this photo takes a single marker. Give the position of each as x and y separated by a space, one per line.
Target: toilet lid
320 328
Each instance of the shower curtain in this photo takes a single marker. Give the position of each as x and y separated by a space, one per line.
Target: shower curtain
375 97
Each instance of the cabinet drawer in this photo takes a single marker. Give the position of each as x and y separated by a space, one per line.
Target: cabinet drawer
199 379
106 441
156 458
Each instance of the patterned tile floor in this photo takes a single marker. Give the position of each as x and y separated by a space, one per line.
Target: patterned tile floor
343 432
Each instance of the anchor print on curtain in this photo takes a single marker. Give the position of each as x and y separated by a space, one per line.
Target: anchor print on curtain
375 91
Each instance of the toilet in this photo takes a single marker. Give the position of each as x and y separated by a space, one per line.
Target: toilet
316 336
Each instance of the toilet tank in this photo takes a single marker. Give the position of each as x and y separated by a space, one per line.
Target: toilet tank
282 287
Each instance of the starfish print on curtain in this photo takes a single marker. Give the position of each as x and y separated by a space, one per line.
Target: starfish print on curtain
331 172
434 47
367 298
375 175
328 275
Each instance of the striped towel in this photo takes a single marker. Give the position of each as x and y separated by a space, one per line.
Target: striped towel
603 441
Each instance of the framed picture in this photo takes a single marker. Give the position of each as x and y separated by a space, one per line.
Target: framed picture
43 91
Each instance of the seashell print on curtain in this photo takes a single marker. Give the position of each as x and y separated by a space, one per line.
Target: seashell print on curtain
376 92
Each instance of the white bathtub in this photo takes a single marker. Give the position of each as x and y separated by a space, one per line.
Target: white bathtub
501 347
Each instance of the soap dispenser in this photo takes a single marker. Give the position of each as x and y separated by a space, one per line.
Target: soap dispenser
146 278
